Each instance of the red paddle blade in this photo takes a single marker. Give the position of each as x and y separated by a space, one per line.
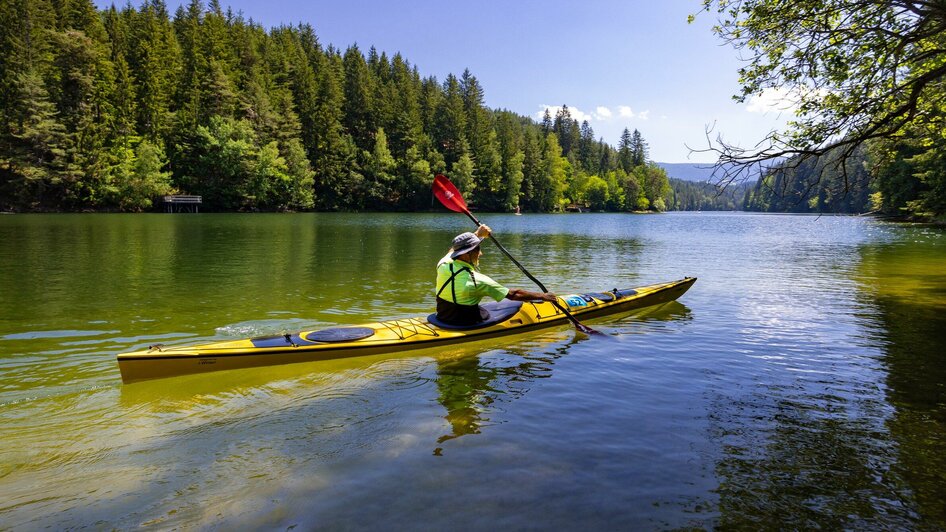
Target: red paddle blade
448 194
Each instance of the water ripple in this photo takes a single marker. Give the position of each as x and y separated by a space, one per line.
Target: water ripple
796 385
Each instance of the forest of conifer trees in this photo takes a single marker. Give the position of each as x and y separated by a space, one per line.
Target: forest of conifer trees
110 109
902 178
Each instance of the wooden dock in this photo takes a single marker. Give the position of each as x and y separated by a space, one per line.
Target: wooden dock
182 203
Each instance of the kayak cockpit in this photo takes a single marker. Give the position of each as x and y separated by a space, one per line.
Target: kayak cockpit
497 312
334 334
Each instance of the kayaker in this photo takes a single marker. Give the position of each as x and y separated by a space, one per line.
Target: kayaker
460 287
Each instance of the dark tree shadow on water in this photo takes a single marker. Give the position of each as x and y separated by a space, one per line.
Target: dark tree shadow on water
861 447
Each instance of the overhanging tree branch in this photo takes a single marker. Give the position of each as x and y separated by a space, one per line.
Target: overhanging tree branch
858 69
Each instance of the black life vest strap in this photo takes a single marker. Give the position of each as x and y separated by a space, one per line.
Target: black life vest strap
453 288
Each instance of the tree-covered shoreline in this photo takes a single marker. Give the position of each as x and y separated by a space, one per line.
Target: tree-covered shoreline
106 110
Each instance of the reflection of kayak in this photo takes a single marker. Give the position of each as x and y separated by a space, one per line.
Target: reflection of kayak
505 317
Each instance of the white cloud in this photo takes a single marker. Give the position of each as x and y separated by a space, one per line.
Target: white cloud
600 114
778 100
578 115
575 112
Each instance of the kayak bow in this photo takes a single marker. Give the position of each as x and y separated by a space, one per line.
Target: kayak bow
506 317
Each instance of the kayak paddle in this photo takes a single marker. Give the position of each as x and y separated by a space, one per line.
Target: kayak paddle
451 198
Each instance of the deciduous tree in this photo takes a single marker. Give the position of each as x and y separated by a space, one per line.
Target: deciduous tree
852 71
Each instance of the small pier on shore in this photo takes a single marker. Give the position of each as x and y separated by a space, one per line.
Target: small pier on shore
182 203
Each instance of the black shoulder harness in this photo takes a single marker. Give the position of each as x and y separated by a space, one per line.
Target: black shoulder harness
453 276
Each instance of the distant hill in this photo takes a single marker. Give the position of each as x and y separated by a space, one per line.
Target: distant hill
696 172
703 172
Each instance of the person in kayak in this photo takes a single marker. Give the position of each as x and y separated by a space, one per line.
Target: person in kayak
460 287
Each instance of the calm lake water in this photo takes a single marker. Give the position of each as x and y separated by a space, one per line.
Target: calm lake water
800 383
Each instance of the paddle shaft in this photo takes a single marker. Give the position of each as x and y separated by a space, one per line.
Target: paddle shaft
582 327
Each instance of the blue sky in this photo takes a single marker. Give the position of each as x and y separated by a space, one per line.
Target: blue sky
632 63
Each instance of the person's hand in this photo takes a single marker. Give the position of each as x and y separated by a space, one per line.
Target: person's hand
550 297
483 231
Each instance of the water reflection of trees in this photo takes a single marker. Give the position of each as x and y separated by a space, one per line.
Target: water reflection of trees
907 286
804 463
863 448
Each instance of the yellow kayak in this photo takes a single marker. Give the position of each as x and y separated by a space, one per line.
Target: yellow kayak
505 317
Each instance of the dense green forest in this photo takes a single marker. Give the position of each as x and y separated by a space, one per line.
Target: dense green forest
814 185
108 110
902 178
690 196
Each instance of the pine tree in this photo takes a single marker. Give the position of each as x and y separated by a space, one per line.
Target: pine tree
606 159
24 29
84 96
216 39
300 190
379 173
546 123
509 137
531 167
625 152
123 95
265 98
562 129
300 76
331 149
383 92
482 138
489 173
450 122
574 143
35 161
358 106
406 127
154 57
587 148
431 95
550 186
638 149
477 119
33 141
